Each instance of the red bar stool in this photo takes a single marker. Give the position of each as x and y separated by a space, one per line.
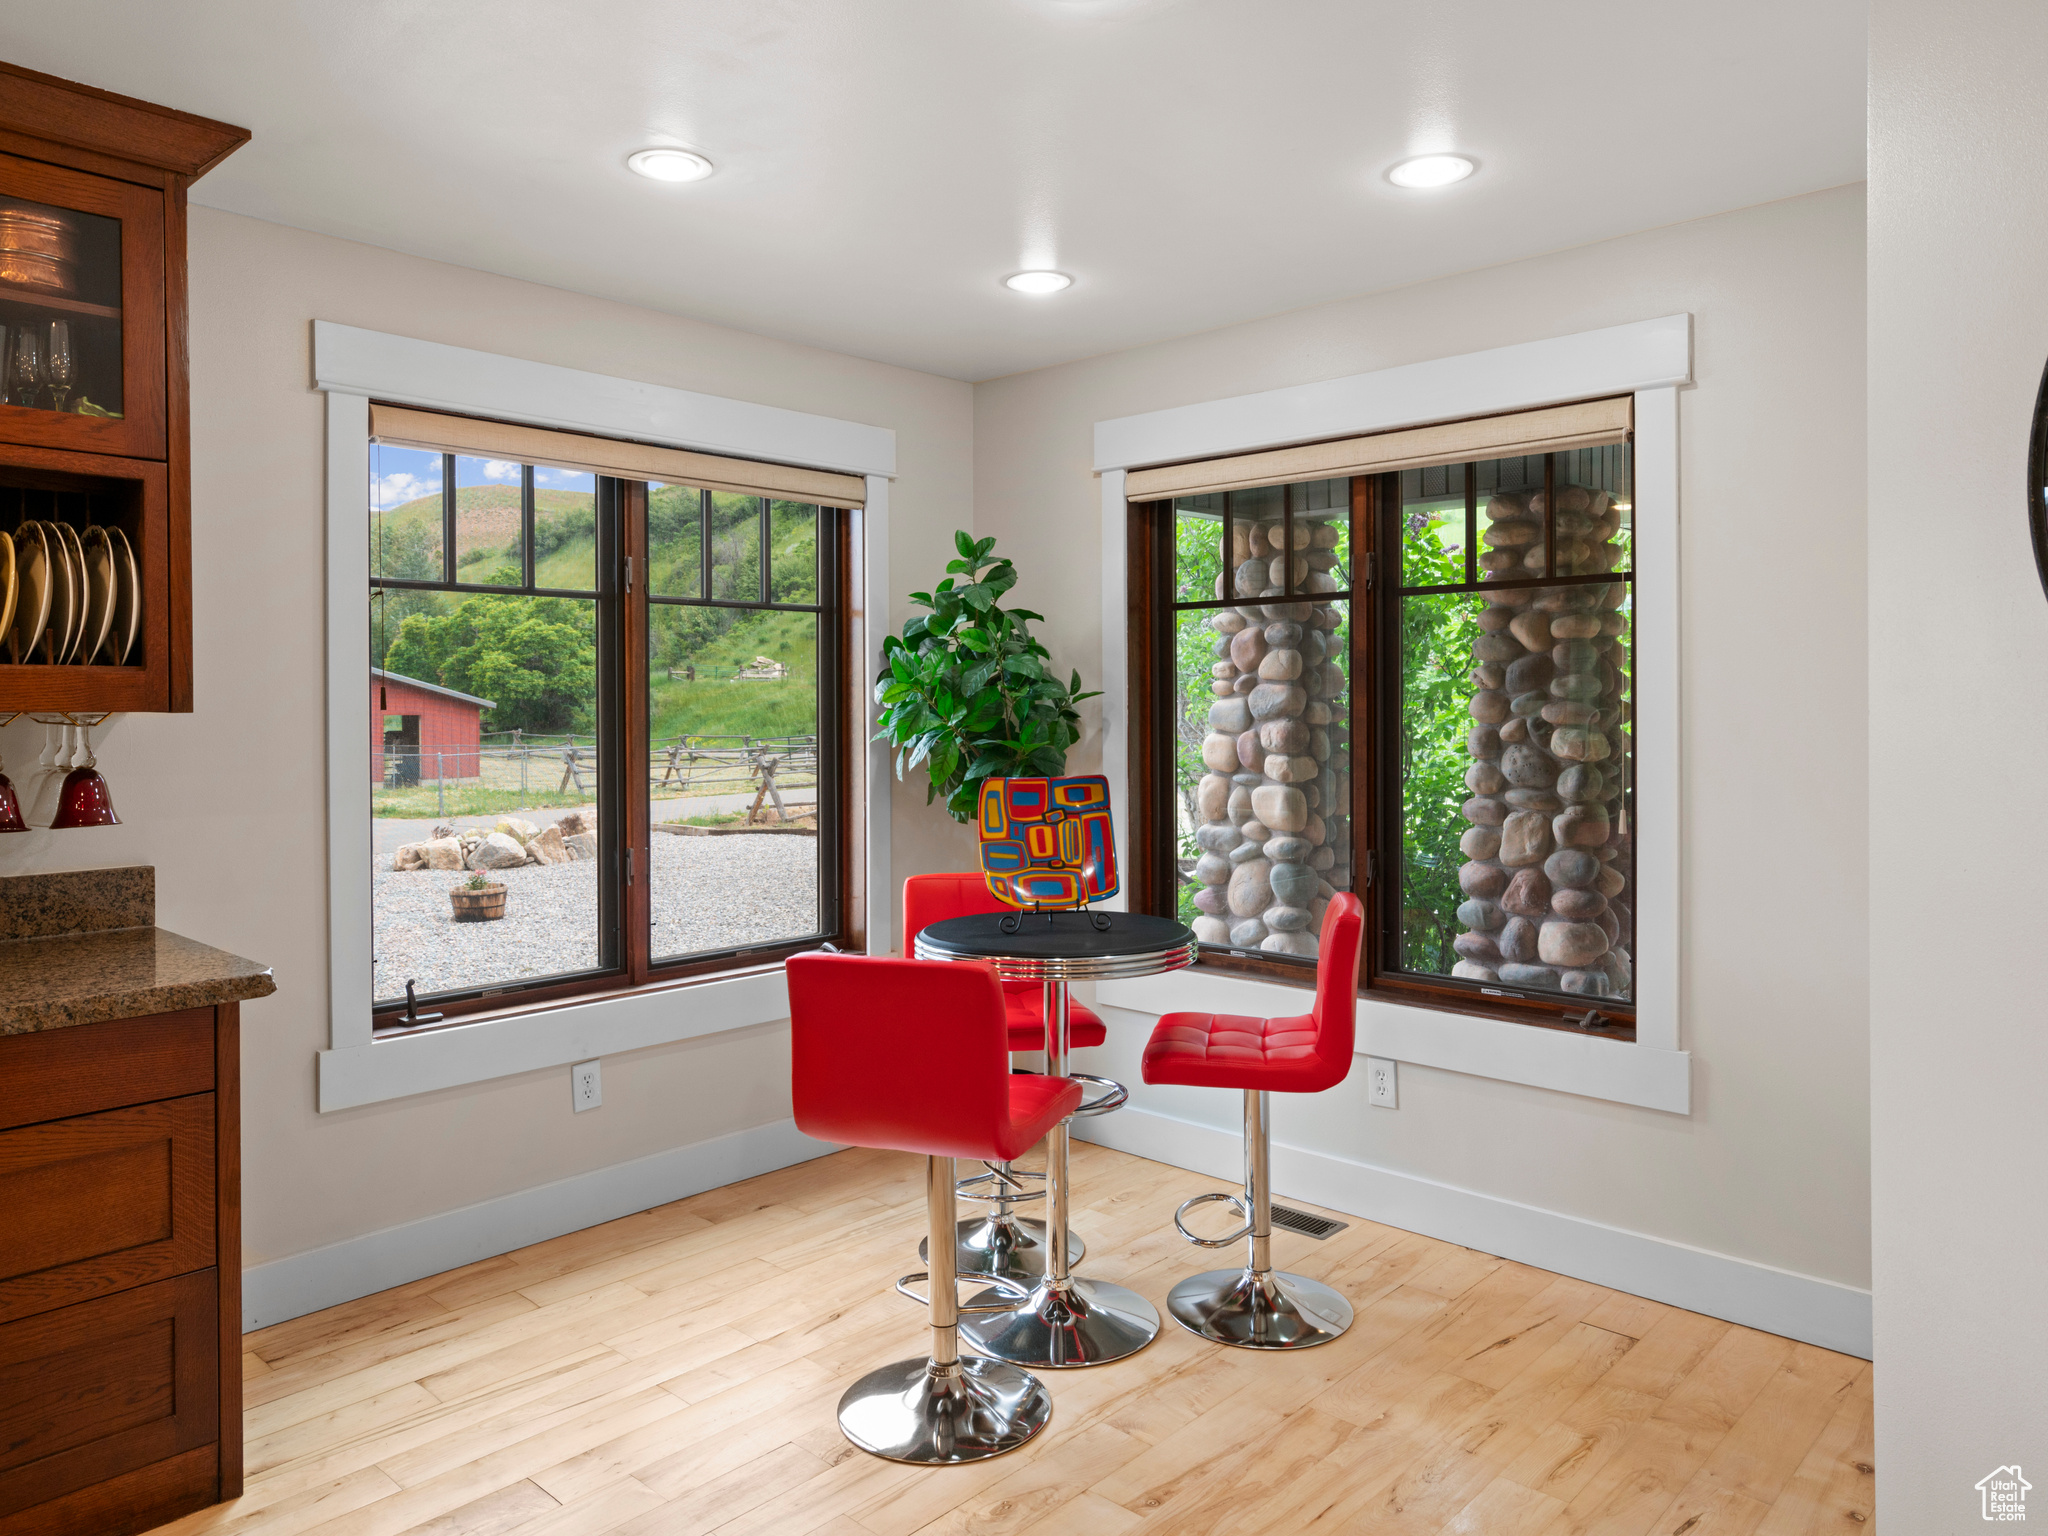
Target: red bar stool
914 1055
998 1243
1260 1307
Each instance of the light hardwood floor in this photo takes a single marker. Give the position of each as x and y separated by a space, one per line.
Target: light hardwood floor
677 1372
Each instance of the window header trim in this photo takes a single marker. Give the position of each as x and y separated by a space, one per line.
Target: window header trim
401 426
1554 429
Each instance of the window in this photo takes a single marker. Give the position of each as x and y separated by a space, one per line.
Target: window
1413 683
622 699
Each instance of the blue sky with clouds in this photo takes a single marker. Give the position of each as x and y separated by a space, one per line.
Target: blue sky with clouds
400 475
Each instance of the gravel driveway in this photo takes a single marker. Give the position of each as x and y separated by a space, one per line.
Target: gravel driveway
706 894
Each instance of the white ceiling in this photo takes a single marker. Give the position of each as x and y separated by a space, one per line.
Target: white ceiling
884 163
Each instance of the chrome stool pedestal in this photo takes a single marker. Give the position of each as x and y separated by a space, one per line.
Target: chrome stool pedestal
943 1410
1257 1307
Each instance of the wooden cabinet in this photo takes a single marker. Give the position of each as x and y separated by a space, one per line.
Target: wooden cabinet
94 471
120 1273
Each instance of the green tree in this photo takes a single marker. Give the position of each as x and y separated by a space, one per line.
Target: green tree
967 696
534 657
1436 658
409 549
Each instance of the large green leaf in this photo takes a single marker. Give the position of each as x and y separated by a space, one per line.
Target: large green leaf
967 695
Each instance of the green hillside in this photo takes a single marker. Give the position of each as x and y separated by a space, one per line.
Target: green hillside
723 707
406 540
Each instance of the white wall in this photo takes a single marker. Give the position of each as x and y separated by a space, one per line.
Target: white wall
226 801
1771 1166
1959 725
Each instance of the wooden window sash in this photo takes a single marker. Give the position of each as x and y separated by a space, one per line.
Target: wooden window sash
635 966
1374 741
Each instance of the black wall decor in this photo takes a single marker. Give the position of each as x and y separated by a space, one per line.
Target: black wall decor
2037 482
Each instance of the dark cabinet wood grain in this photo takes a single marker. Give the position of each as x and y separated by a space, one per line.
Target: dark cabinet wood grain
120 1273
105 1202
132 1061
106 1386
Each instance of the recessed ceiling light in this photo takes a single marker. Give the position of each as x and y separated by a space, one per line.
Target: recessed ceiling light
670 164
1431 171
1038 282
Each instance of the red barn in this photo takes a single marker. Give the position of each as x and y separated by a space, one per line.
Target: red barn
422 730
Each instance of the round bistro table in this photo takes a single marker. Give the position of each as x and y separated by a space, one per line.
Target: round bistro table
1066 1320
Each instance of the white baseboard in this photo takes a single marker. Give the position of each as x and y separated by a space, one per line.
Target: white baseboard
1756 1295
376 1261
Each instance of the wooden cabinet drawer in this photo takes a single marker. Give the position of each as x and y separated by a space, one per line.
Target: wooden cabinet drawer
105 1202
91 1392
58 1073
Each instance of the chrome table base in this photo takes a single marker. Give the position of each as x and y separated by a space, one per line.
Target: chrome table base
1067 1321
1257 1307
1082 1322
938 1415
1259 1311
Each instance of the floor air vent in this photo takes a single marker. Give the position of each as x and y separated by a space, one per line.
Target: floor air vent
1307 1225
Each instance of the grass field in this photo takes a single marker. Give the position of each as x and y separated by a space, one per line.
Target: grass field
750 708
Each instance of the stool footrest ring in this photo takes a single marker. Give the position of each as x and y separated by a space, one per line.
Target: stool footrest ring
1007 1185
1235 1202
1115 1096
1009 1288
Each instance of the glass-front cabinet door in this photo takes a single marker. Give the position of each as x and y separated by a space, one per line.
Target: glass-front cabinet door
81 312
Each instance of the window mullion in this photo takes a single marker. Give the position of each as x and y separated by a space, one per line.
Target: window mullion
448 518
635 725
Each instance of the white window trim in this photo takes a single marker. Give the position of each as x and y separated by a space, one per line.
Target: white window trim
1651 359
354 366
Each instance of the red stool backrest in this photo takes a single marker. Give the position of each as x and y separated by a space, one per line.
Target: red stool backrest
929 899
1336 1011
908 1054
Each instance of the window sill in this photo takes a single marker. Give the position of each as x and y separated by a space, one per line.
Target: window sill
1564 1062
500 1044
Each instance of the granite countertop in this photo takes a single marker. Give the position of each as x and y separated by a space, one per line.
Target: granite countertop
82 946
119 973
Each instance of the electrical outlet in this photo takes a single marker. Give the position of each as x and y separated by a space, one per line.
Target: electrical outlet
586 1088
1383 1090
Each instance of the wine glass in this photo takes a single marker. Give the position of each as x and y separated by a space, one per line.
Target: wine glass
61 369
25 368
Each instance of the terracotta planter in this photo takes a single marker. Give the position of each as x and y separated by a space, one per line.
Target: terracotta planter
478 906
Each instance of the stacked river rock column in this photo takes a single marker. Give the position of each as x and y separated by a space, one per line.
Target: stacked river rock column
1548 872
1273 809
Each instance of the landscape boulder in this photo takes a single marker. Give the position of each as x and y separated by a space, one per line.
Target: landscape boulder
547 847
498 851
581 845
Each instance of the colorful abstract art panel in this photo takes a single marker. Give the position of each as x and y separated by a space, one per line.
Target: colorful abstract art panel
1048 842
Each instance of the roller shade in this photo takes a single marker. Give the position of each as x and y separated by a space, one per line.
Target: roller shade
1554 429
403 427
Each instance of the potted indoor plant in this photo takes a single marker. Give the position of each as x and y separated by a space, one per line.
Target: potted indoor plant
967 695
477 900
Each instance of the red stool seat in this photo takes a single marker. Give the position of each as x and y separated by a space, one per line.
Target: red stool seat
1024 1009
1227 1050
